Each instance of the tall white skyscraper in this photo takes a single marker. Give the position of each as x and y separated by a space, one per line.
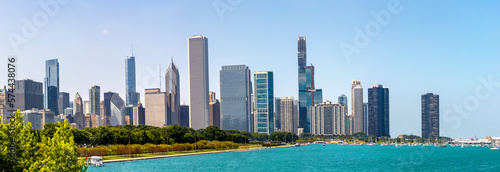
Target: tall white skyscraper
357 106
198 82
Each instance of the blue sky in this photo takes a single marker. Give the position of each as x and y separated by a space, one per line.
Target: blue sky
443 47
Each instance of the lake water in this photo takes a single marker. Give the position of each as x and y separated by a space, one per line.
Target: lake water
326 158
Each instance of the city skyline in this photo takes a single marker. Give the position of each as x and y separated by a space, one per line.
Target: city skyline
402 62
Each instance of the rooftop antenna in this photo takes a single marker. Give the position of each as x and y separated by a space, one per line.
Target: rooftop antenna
132 50
159 75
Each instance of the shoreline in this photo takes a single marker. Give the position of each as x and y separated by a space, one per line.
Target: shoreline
190 154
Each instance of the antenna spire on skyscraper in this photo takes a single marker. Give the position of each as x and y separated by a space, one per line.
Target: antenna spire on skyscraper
132 50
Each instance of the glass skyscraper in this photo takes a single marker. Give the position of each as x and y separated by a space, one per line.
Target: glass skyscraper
378 111
51 85
130 95
308 94
235 92
264 102
173 97
95 100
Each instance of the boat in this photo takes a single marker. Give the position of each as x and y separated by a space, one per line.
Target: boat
96 161
297 144
323 144
443 145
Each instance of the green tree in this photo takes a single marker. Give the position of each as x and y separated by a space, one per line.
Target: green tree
213 133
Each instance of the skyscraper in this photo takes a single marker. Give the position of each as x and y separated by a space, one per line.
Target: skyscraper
130 95
430 116
378 111
156 107
198 82
139 114
343 99
95 99
107 103
62 101
51 85
366 117
86 107
308 95
235 96
172 86
28 94
264 102
78 111
184 115
117 108
329 119
288 114
214 111
357 106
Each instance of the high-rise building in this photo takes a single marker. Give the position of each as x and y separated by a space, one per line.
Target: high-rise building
308 94
139 114
156 107
235 96
351 124
343 99
86 107
131 95
39 117
62 101
172 85
95 100
198 82
184 115
51 85
366 117
357 106
3 106
430 116
117 108
277 114
78 111
264 102
378 111
28 94
329 119
107 103
129 115
251 122
214 111
286 108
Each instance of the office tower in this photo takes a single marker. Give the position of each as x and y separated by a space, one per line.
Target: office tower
103 108
95 100
156 107
329 119
129 115
172 86
214 111
357 106
365 117
264 101
184 115
378 111
117 109
235 96
51 85
308 94
28 94
343 99
430 116
105 120
251 122
86 107
62 101
277 114
68 111
286 107
107 100
78 111
139 114
38 122
198 81
130 95
351 124
3 106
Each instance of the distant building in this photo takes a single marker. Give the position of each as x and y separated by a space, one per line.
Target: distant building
62 101
39 117
172 89
129 115
117 108
343 99
329 119
184 115
51 88
430 116
156 107
198 82
235 96
378 108
351 124
287 110
78 111
214 111
68 111
28 94
139 114
95 100
365 117
264 102
357 106
86 107
3 106
131 95
92 120
107 103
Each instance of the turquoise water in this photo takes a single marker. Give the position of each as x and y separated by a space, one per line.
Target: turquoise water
326 158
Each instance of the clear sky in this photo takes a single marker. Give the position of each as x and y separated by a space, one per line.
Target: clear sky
443 47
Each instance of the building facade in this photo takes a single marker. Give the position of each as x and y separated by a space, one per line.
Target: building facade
366 117
95 100
184 115
378 111
430 116
235 96
139 114
62 101
117 108
172 85
287 110
131 96
329 119
78 111
264 102
357 106
51 89
28 94
156 107
198 82
214 111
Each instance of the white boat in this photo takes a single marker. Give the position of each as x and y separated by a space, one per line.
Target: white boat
96 161
297 144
